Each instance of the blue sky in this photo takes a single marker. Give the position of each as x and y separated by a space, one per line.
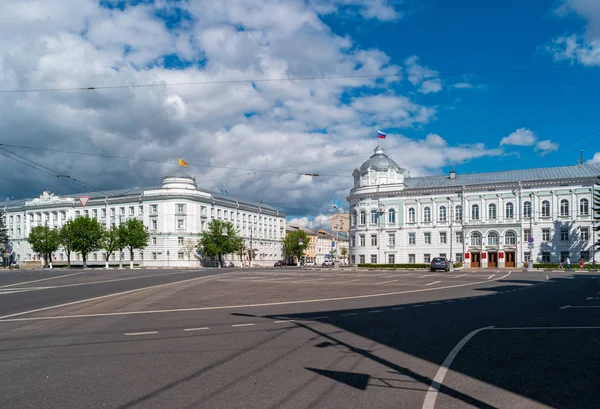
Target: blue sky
441 78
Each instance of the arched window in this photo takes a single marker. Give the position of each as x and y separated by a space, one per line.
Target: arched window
391 216
564 207
492 211
354 217
493 239
545 208
510 238
426 214
476 239
584 207
374 216
363 217
411 215
510 210
475 212
527 209
442 213
458 212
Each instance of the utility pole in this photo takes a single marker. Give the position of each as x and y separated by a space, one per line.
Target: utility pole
451 210
251 250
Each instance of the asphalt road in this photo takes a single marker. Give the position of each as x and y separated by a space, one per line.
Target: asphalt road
292 338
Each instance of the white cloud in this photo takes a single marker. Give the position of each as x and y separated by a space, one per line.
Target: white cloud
595 159
321 221
545 147
520 137
424 78
462 85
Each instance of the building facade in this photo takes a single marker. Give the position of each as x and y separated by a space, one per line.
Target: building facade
486 220
176 213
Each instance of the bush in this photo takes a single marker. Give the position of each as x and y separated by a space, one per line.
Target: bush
555 266
394 266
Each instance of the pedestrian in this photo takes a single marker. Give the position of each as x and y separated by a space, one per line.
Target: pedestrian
581 264
568 263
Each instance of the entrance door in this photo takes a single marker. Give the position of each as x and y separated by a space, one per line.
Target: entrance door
492 259
475 260
509 260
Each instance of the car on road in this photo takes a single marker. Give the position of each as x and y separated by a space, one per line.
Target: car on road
439 263
327 263
280 263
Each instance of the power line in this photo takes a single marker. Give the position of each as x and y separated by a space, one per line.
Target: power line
291 79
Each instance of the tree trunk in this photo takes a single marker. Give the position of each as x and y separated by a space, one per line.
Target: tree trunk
106 259
131 258
220 261
68 259
120 258
84 257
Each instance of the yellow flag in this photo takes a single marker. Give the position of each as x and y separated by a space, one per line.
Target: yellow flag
183 163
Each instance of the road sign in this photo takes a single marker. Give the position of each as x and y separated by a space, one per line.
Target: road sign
300 241
84 200
333 244
530 240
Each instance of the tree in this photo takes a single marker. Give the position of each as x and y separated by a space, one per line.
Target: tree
189 247
111 242
86 236
66 239
220 238
344 253
295 244
134 235
45 241
3 235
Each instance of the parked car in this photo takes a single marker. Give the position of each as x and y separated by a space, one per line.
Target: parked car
280 263
327 263
439 263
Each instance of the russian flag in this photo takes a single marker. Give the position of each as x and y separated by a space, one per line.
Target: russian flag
381 135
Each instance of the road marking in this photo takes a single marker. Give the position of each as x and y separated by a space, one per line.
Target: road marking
374 311
580 306
564 307
398 308
319 318
434 303
141 333
105 296
243 325
386 282
429 275
196 329
490 277
350 313
282 321
540 328
218 307
435 282
418 305
43 279
593 298
462 275
432 392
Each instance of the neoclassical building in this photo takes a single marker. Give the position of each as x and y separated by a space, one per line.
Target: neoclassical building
176 212
487 220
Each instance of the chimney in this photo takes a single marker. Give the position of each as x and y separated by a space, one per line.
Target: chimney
452 174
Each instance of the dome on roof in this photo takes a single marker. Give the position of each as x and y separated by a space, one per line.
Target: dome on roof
380 161
179 180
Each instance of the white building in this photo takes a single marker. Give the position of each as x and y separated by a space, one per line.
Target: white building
483 219
175 214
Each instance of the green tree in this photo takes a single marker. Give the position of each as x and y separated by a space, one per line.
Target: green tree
188 247
221 238
111 242
295 244
134 235
344 253
86 236
45 241
66 239
3 235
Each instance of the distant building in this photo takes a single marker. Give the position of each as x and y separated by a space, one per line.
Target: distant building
340 222
488 220
323 245
175 212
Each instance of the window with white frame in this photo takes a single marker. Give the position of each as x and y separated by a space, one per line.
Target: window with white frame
154 240
354 240
102 213
527 209
363 217
154 224
564 234
443 237
180 208
374 216
219 215
121 211
131 211
458 237
476 239
427 214
427 238
354 218
392 239
545 208
180 255
584 207
475 212
458 257
564 207
493 239
509 210
458 212
373 240
180 241
412 259
361 259
361 240
526 234
77 213
391 258
584 233
411 215
141 210
545 235
95 213
180 224
442 213
426 258
510 238
392 216
492 211
373 258
225 214
153 209
412 238
154 255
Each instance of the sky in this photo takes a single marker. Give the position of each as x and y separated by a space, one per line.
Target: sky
255 94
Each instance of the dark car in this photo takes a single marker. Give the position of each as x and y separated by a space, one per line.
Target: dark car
439 263
280 263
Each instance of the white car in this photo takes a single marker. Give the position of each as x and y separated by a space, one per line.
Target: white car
327 263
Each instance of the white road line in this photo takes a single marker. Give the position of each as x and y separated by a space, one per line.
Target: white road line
196 329
490 277
349 314
434 303
218 307
462 275
580 306
398 308
429 275
386 282
418 305
564 307
435 282
282 321
432 392
539 328
374 311
43 279
141 333
319 318
449 301
243 325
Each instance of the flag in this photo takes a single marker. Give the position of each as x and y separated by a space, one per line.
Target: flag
381 135
182 163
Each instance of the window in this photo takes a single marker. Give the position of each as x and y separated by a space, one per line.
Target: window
154 225
391 258
545 235
427 238
493 239
526 234
476 239
85 212
77 213
354 240
545 208
458 257
94 214
584 233
411 215
180 224
373 240
392 216
427 258
443 237
131 211
353 259
219 215
475 212
458 237
225 214
527 209
141 210
427 215
180 241
154 241
545 256
443 255
203 226
564 255
153 209
361 259
363 217
411 238
102 213
458 212
10 220
492 211
510 238
442 212
154 255
374 216
141 255
412 259
510 210
180 255
373 258
584 207
19 219
354 218
564 234
585 255
121 211
392 239
362 240
564 207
